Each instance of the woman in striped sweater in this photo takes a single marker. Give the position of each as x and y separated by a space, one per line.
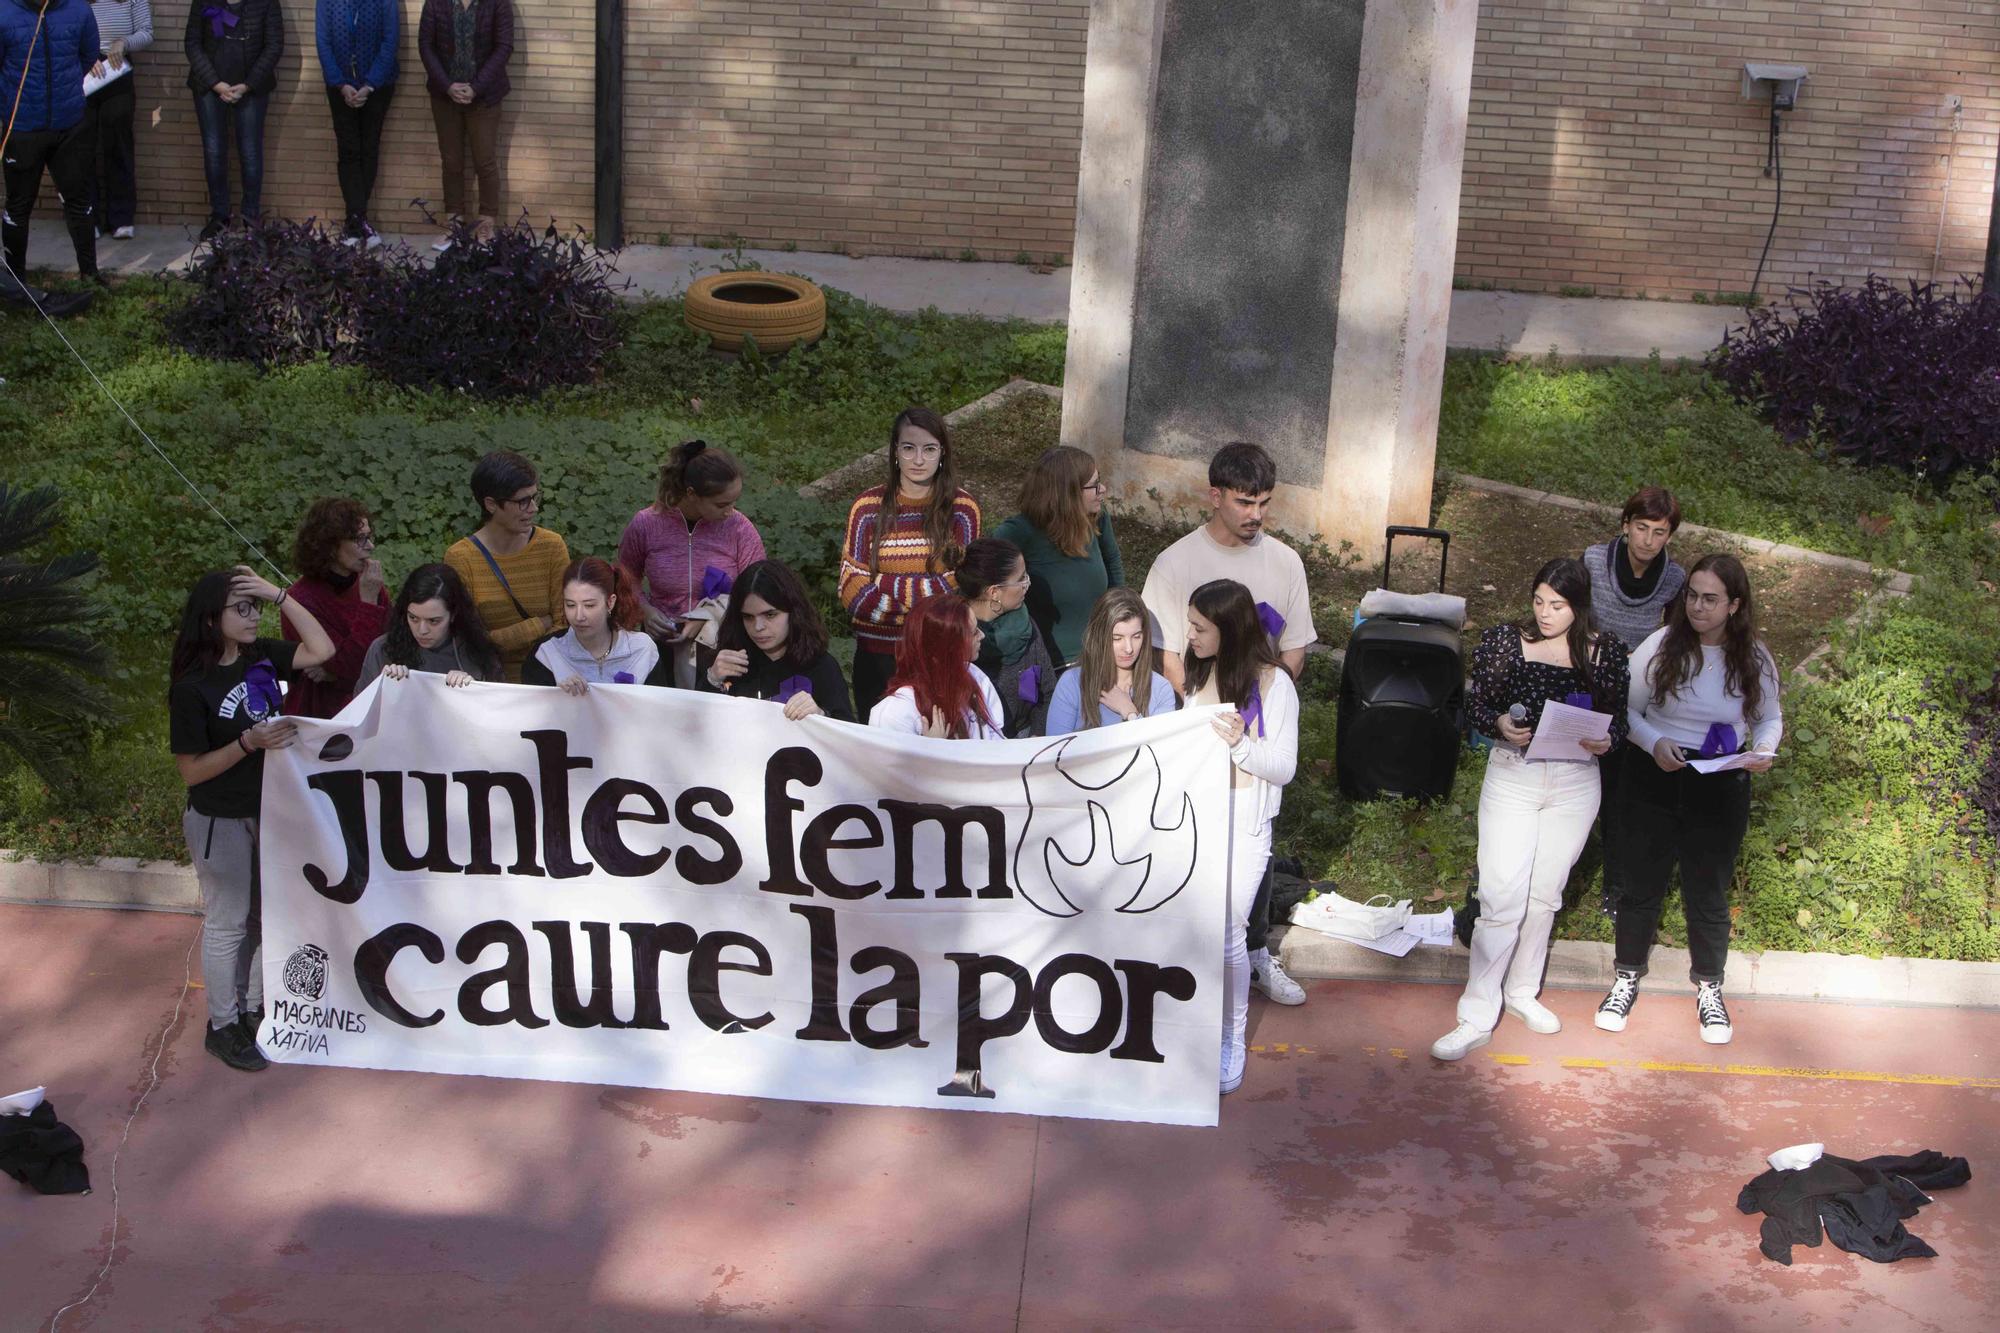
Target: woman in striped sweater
124 27
903 540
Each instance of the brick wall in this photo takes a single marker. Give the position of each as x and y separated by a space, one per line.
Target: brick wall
1608 147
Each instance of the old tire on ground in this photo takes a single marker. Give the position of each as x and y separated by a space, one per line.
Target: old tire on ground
776 309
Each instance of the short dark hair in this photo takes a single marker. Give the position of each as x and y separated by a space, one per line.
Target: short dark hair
1654 502
327 524
1244 468
498 475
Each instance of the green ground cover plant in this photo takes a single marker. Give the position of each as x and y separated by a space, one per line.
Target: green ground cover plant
1870 837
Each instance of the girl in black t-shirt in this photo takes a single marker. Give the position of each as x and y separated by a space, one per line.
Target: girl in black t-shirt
772 645
223 707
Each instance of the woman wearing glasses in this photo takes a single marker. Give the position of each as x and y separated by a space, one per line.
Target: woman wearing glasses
222 711
993 579
1703 687
340 582
1065 532
904 538
512 568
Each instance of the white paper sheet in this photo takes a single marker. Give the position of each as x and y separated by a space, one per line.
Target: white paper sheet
91 83
1561 727
1727 762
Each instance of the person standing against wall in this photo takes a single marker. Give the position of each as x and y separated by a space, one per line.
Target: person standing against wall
233 48
357 59
46 47
124 27
465 46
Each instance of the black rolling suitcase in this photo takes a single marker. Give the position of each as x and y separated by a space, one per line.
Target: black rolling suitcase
1402 691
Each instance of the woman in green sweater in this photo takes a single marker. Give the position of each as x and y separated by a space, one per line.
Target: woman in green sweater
1065 532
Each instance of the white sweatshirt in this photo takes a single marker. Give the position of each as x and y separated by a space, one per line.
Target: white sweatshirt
898 711
1685 717
1265 758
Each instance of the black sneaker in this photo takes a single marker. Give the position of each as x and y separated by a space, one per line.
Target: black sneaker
250 1020
1611 1014
1712 1012
229 1045
212 229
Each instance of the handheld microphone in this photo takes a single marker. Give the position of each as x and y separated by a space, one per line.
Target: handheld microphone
1519 713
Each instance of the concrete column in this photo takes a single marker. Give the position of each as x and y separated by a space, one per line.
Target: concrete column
1266 222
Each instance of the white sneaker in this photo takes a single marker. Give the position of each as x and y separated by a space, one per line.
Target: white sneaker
121 233
1460 1042
1714 1015
1538 1016
1234 1058
1268 975
442 244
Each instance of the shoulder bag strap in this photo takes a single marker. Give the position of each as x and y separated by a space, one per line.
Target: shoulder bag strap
505 586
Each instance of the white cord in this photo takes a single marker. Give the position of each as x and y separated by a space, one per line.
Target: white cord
29 292
153 1081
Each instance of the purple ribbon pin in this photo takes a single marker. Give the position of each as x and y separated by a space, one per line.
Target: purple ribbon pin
714 582
1580 700
621 678
792 685
1720 741
261 696
1274 624
1029 687
1253 709
220 18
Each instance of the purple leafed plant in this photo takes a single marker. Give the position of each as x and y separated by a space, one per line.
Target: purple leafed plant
273 293
1904 376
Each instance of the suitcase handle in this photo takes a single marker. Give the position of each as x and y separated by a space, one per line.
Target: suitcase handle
1438 535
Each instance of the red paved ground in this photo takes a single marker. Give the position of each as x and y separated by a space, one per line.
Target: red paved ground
1351 1185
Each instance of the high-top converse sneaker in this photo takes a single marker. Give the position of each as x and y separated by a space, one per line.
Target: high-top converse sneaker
1618 1004
1234 1058
1713 1013
1268 975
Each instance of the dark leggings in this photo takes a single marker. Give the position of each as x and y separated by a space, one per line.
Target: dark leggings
1687 819
871 679
68 156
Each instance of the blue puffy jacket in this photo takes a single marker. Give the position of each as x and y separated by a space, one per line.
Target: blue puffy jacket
357 42
52 94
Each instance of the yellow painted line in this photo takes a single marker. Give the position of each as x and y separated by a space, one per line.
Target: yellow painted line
1510 1059
1780 1071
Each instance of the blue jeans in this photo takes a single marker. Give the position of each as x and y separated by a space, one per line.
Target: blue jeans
214 115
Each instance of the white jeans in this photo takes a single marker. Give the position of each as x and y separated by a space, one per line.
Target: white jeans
1533 820
1250 848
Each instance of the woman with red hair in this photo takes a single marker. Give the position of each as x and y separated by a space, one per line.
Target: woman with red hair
603 644
936 690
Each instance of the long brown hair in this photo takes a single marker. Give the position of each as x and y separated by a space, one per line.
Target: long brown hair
934 658
1098 664
945 552
695 467
1571 582
774 581
1052 498
1678 660
1245 650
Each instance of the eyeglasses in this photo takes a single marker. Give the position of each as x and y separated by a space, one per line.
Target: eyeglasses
243 608
527 504
366 541
1021 582
1095 488
1707 601
929 453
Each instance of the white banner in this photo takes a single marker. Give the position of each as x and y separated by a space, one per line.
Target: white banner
667 889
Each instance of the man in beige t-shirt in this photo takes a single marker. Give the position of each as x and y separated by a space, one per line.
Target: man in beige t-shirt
1234 545
1231 545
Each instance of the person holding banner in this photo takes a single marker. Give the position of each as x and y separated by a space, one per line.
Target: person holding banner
223 708
1704 694
772 645
993 579
512 568
432 628
936 690
689 545
1231 661
1116 656
1534 816
603 644
903 540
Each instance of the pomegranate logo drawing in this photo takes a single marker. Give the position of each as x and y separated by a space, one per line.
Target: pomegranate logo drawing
1069 861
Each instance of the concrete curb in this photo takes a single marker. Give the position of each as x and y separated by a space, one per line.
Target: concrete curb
853 478
111 881
1586 965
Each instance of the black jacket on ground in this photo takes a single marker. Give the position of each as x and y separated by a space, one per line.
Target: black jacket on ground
42 1152
1860 1205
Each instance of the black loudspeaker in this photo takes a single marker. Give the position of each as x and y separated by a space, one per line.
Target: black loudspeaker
1402 700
